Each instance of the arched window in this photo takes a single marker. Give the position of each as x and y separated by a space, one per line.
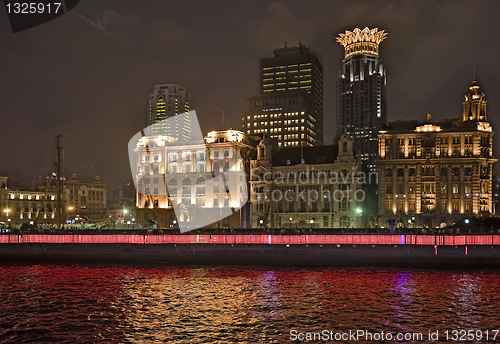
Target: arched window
200 187
172 187
200 192
186 191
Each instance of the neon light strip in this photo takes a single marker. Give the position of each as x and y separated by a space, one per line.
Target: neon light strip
343 239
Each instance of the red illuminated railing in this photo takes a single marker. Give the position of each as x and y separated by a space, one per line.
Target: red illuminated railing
341 239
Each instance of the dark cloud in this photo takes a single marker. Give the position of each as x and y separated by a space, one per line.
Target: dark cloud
87 75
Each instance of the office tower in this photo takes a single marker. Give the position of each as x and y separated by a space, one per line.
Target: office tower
434 174
166 101
290 106
361 91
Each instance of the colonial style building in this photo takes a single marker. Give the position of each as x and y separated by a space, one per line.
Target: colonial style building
18 207
86 200
433 174
183 182
307 187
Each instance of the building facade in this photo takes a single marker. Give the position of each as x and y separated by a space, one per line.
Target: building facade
360 90
290 106
184 183
434 174
87 200
284 117
166 101
307 187
26 207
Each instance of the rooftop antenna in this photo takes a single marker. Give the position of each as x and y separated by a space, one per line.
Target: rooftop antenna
474 80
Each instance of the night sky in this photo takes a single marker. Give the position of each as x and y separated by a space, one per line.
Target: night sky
87 74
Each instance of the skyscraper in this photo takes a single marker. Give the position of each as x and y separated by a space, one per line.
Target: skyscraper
290 106
166 101
361 91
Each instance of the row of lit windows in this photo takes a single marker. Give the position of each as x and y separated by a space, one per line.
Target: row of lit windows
287 66
28 197
287 114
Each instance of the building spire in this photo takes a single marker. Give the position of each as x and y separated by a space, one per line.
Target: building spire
474 69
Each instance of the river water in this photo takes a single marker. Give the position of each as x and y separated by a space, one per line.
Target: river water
92 304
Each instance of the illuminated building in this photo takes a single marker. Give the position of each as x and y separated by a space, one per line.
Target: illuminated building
290 106
167 101
434 174
197 176
306 187
18 207
360 91
85 199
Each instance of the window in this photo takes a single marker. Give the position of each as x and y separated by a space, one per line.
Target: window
467 189
344 221
400 188
388 205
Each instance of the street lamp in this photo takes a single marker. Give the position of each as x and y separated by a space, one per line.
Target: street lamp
261 222
312 222
290 222
6 211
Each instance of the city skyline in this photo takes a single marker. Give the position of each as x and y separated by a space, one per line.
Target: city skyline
99 63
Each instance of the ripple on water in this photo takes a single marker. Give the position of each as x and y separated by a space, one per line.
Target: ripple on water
68 304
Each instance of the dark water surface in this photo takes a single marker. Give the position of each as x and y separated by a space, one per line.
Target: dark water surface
78 304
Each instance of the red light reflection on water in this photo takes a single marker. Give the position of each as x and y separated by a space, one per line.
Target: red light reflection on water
117 304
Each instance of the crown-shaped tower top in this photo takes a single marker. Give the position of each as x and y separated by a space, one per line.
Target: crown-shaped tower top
364 41
474 104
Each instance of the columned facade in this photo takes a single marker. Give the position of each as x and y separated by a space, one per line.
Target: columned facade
434 174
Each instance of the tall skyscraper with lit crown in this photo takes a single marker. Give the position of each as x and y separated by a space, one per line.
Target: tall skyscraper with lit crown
360 90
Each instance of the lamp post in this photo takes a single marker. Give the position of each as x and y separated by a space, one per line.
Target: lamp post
70 210
312 222
7 211
359 211
290 222
261 222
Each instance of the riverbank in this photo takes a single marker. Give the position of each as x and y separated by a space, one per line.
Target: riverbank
405 256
